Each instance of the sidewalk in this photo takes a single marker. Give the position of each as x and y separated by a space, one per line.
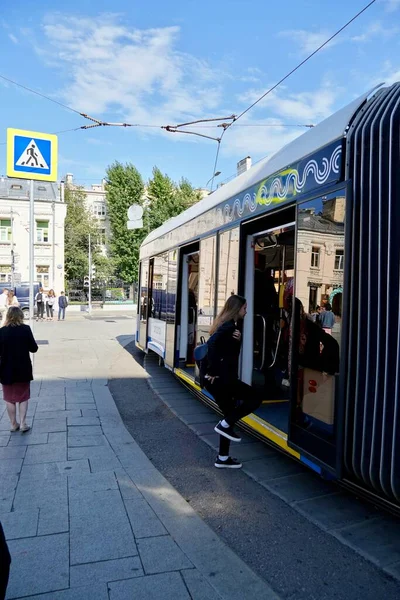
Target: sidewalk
86 514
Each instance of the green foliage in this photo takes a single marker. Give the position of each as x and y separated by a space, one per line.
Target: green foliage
124 187
79 223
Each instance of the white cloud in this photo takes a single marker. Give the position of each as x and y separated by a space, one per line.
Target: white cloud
138 74
13 38
392 5
376 29
308 41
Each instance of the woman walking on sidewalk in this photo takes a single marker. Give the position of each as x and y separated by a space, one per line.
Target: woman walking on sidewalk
234 398
16 342
50 302
12 299
40 301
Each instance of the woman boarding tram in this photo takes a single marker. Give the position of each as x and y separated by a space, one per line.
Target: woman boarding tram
234 398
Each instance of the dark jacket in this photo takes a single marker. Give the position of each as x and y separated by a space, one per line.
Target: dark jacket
15 363
62 301
326 361
223 353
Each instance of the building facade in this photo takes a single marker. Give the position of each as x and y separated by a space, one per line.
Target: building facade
49 217
96 203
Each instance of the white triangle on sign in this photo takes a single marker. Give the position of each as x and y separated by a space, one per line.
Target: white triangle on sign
32 157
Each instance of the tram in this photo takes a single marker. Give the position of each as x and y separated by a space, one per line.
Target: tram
316 225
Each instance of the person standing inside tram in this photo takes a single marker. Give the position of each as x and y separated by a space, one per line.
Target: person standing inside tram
235 399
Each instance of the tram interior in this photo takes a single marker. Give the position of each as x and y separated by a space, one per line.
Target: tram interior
273 276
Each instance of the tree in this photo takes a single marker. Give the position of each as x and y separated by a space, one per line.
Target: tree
79 223
168 199
124 187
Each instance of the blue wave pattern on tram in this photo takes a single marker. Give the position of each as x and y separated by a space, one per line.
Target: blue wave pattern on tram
303 177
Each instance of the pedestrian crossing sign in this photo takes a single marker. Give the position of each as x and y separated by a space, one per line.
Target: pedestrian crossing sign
31 155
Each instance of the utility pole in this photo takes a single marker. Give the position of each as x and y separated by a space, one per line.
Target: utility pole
31 252
90 275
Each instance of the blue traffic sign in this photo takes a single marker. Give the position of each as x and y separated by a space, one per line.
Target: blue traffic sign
31 155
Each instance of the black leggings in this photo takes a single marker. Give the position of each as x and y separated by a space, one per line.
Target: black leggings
40 310
49 310
236 400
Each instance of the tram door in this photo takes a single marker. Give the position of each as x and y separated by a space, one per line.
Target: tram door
188 317
266 340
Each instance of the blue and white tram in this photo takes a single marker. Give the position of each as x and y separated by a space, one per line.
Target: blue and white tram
320 220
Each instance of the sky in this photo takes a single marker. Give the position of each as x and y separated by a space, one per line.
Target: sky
163 63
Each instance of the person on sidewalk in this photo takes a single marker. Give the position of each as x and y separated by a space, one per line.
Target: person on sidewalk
3 305
16 342
5 562
12 299
40 302
50 302
62 305
234 398
327 319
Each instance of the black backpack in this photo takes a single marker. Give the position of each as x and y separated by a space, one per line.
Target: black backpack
201 358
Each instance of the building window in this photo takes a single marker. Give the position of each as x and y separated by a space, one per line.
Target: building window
42 276
5 230
42 231
339 260
99 209
101 239
315 257
5 273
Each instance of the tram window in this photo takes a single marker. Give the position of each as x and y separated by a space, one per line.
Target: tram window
320 234
144 275
228 265
159 287
206 297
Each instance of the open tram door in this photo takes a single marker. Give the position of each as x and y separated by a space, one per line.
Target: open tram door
187 329
266 330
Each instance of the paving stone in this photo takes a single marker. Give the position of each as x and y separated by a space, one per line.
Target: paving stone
272 467
144 521
101 458
161 554
20 523
11 466
198 586
99 528
379 538
40 564
45 453
51 470
41 493
203 428
8 485
90 592
55 414
168 586
105 571
209 417
301 486
31 438
50 405
85 430
89 412
12 452
336 510
4 439
59 437
76 440
81 407
126 486
195 411
53 519
82 421
254 451
92 482
50 425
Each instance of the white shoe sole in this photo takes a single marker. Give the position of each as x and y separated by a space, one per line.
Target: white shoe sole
219 466
230 437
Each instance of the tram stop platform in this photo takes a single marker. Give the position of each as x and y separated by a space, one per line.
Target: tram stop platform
86 514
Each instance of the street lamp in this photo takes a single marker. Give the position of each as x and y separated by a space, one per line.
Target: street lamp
216 174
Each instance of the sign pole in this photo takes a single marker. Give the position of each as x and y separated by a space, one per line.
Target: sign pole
31 252
90 276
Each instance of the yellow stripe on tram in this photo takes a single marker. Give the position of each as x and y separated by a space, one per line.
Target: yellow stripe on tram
265 429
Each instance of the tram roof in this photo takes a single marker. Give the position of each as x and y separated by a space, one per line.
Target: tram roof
332 128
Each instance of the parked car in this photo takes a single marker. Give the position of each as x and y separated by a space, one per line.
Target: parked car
22 293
